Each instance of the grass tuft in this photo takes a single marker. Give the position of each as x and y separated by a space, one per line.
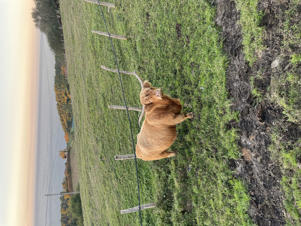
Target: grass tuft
251 31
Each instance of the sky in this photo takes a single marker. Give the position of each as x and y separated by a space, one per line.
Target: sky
19 48
50 166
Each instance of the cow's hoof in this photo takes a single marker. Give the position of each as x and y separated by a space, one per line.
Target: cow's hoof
171 154
189 115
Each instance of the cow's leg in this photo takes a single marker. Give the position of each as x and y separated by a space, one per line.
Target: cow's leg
162 155
177 101
180 118
168 118
168 154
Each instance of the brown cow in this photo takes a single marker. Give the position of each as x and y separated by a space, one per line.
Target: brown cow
158 131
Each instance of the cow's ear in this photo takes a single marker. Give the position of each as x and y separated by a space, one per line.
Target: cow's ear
147 84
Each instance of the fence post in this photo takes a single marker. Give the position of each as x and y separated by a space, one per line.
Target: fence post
118 107
136 209
124 157
109 35
107 4
127 73
63 193
123 72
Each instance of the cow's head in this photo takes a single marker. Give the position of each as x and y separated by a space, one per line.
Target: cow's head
149 94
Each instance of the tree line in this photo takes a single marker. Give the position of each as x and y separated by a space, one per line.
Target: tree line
46 16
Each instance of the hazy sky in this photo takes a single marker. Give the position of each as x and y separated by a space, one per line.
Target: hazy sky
50 166
18 99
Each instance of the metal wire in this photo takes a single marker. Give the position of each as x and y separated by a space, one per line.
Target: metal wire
127 110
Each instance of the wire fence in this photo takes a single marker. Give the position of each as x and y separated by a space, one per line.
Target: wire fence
107 33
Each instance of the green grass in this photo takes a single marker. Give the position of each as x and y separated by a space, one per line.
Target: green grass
285 91
286 88
287 154
257 93
296 59
252 33
176 46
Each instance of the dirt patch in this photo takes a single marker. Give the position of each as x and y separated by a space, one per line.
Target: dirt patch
258 170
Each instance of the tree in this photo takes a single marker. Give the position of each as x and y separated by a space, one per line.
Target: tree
76 209
46 16
63 154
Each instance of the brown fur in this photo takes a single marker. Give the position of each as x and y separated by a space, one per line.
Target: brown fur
158 131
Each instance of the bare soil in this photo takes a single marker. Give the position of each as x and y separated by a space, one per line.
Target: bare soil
261 174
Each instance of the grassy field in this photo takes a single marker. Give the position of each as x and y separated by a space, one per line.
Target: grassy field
177 47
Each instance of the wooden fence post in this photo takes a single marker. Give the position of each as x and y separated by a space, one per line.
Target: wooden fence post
123 72
136 209
64 193
109 35
124 157
118 107
127 73
107 4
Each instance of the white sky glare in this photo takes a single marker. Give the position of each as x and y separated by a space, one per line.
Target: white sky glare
6 83
18 58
